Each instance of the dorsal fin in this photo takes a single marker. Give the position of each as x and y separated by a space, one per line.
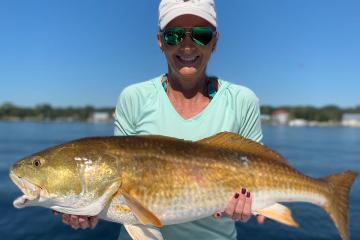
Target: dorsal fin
235 142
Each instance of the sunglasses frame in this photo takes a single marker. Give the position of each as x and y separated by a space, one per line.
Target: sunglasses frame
188 30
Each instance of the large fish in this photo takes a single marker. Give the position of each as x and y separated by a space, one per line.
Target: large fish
146 182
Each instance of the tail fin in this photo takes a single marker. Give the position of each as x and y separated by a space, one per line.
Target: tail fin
337 207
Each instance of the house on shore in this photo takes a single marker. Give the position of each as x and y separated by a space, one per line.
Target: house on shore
350 120
101 117
280 117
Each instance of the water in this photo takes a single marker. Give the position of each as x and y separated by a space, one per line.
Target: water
314 151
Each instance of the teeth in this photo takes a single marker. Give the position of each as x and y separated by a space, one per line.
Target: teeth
188 58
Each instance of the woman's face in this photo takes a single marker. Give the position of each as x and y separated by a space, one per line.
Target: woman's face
188 59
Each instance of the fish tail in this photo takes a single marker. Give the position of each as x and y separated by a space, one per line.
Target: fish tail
338 204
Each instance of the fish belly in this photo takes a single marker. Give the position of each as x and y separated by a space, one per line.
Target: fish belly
192 208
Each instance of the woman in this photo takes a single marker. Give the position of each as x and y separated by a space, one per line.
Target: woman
187 104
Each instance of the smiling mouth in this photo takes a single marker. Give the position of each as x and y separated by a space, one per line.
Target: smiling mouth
30 190
187 60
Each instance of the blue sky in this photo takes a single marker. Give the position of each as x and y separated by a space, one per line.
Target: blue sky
79 52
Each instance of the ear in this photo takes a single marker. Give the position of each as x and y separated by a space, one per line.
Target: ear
160 42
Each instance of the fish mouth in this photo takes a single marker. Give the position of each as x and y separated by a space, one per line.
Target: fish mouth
31 191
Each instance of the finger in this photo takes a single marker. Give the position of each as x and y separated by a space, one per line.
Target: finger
240 205
246 214
84 222
229 210
260 219
93 221
55 212
66 219
74 222
217 215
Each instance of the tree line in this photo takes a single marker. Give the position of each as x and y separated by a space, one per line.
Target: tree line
311 113
48 112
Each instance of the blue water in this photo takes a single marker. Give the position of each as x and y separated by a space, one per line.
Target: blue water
314 151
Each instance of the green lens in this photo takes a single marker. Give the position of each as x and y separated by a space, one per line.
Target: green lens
201 35
174 36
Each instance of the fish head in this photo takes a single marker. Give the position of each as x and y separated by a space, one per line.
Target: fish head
45 175
72 175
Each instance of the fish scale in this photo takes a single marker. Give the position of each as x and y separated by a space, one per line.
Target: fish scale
141 181
192 196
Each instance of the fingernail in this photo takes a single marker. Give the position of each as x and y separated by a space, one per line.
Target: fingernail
248 194
236 196
218 214
243 191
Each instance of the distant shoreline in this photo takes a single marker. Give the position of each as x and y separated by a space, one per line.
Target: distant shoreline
52 121
296 116
313 124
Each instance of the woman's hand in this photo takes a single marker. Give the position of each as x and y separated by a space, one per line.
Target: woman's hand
239 208
77 222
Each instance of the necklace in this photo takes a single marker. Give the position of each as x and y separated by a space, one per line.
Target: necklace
211 89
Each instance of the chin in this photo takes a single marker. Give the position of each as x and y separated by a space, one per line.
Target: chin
188 71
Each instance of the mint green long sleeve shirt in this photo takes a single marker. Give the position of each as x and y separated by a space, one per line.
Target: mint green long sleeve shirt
144 108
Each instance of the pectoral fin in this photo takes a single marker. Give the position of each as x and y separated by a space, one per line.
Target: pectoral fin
144 215
279 213
142 232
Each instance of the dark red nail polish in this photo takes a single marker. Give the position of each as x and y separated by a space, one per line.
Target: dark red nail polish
218 214
236 196
243 191
248 194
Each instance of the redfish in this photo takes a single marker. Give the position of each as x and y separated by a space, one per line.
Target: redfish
145 182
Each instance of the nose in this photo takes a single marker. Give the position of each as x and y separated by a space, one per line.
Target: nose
188 45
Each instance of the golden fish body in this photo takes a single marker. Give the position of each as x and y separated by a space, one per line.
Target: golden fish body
155 180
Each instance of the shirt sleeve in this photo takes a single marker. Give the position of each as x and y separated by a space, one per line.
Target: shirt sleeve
250 123
124 115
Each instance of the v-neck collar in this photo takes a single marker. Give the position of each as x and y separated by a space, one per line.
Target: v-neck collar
169 104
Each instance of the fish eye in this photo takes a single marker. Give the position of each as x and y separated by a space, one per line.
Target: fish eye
37 163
